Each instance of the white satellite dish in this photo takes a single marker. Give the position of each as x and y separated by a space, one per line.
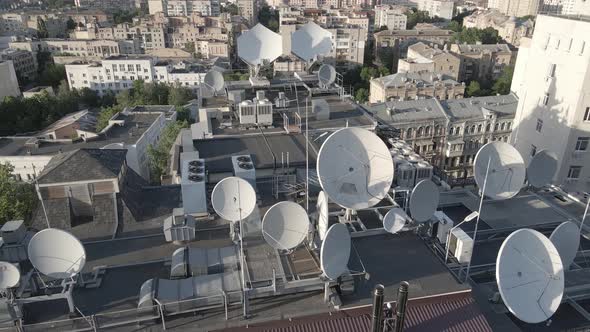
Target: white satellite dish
285 225
530 278
424 200
233 198
56 253
9 275
566 239
542 168
310 41
355 168
259 44
323 214
394 220
335 251
214 80
507 172
326 75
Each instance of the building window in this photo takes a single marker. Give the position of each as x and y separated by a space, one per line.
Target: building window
587 114
574 172
551 70
582 47
539 125
496 126
508 124
533 150
582 143
545 99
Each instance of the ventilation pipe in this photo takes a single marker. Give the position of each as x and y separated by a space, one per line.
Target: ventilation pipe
402 300
377 323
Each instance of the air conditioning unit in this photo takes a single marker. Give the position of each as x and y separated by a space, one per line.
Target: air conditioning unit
247 112
13 231
461 245
443 226
244 168
281 101
179 227
193 184
264 112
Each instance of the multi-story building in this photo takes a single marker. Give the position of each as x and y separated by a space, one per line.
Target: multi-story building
518 8
184 7
551 80
248 9
424 58
565 7
118 73
510 28
482 61
9 82
393 19
24 63
448 133
438 8
106 4
151 35
28 23
409 86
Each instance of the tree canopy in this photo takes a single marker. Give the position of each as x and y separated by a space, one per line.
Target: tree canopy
17 199
416 16
269 18
158 156
125 16
488 35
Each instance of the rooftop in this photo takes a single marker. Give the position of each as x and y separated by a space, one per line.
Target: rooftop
478 48
84 119
411 110
477 107
421 78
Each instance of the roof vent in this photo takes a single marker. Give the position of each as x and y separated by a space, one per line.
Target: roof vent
244 159
195 177
246 165
198 163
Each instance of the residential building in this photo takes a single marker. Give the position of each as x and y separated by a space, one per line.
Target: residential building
482 62
24 63
9 82
438 8
424 58
184 7
518 8
152 35
393 19
510 28
554 108
118 73
409 86
565 7
27 23
106 4
448 133
248 9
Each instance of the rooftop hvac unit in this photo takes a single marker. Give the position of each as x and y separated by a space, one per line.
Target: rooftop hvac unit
236 96
263 111
423 171
179 228
281 101
192 262
461 245
13 231
247 112
244 168
443 225
260 95
193 185
405 174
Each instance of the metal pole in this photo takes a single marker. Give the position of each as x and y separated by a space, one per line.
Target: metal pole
402 301
307 156
483 191
40 196
584 217
244 290
377 323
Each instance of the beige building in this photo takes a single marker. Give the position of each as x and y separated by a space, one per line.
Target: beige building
79 48
482 61
27 23
248 9
424 58
410 86
510 28
24 63
518 8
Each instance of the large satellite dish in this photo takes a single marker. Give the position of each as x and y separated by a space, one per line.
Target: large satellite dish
355 168
335 251
507 172
326 75
56 253
214 80
233 198
394 220
310 41
323 214
285 225
9 275
542 168
424 200
566 239
530 278
259 44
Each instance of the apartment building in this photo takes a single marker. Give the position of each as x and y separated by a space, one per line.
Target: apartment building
27 23
482 61
106 4
118 73
79 48
410 86
438 8
24 63
551 80
9 82
151 35
393 19
426 58
208 41
517 8
248 9
510 28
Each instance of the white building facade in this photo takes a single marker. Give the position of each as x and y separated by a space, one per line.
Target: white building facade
552 80
441 8
391 18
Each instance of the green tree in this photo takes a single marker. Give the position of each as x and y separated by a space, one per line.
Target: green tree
455 26
41 28
179 96
17 199
502 84
105 115
473 35
362 95
419 16
369 72
70 24
89 97
53 75
474 89
230 8
159 155
125 16
269 18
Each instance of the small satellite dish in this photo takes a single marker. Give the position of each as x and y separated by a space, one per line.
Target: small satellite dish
355 168
233 198
326 75
507 172
542 168
56 253
323 214
9 275
259 44
394 220
285 225
424 200
566 239
530 278
214 80
335 251
311 40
